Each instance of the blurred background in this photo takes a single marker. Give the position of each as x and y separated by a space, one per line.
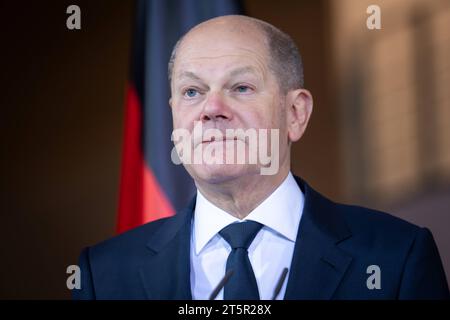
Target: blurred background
379 134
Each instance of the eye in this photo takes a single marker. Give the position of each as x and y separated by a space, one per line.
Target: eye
243 89
190 92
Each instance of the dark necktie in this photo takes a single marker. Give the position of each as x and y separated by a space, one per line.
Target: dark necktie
242 285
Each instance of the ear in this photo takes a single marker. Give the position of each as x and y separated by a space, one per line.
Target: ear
298 111
170 102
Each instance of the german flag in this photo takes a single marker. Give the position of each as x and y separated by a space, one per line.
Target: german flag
151 186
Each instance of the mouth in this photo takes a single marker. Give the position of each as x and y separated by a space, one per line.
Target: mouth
214 140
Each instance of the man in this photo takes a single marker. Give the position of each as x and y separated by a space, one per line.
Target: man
236 72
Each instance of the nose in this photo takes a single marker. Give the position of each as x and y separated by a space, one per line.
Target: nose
215 109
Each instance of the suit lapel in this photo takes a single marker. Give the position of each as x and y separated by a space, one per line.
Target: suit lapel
318 264
166 271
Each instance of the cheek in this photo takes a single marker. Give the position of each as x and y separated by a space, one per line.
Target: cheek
260 115
277 118
183 118
176 120
251 120
275 113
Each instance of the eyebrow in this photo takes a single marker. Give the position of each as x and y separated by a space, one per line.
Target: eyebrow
233 73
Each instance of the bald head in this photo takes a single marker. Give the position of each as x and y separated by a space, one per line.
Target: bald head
282 55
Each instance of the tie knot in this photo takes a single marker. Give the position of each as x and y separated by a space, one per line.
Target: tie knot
241 234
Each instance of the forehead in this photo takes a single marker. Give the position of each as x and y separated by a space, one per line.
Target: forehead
222 46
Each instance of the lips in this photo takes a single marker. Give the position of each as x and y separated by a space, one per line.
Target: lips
219 140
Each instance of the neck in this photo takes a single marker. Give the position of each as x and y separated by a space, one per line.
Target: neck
242 195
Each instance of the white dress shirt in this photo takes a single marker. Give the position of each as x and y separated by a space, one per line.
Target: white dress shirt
270 252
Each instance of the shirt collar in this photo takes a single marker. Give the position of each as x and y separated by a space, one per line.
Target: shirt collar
281 212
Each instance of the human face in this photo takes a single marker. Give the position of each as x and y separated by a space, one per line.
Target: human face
221 78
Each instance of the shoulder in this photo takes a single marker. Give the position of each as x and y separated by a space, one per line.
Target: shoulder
131 245
125 245
368 231
359 220
136 236
373 222
379 236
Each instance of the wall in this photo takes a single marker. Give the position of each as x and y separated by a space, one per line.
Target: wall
61 132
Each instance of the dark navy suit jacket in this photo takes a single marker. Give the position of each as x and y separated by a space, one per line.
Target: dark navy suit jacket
335 245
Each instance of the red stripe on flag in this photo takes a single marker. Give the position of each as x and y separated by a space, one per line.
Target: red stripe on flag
141 199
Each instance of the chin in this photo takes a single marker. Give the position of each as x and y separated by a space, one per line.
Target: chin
220 173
